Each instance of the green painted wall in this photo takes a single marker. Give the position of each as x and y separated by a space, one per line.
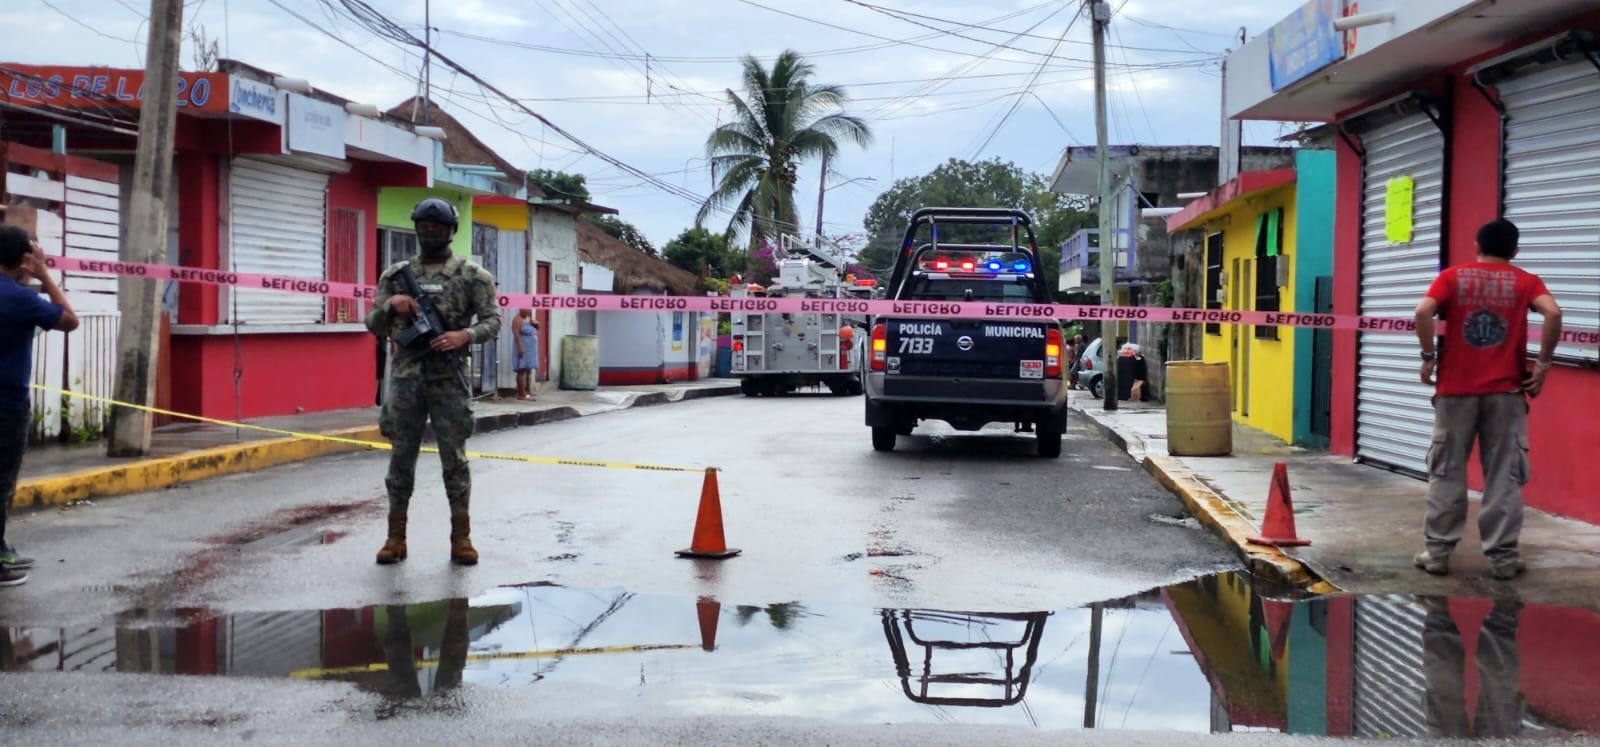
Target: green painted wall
1308 669
1316 178
395 203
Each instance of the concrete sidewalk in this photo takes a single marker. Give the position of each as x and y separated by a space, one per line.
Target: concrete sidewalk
1364 523
56 475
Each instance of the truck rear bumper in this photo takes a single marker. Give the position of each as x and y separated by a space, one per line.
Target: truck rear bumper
892 401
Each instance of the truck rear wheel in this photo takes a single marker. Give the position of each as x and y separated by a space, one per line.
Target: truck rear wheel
749 387
883 438
1049 443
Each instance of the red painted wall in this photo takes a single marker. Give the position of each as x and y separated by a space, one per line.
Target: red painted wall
641 376
1558 442
1346 297
281 374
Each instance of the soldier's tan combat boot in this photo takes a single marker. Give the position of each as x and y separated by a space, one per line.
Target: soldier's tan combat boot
394 548
461 552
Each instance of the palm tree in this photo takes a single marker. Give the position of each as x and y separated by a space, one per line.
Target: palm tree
782 119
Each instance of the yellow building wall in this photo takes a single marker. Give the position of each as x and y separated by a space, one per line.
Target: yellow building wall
503 217
1266 377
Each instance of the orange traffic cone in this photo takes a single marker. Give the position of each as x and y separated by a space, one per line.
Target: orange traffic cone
1278 529
708 610
1276 615
708 541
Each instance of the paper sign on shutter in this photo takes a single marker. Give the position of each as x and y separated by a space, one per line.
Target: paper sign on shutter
1397 209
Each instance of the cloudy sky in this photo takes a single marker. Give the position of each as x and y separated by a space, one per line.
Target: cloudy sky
642 81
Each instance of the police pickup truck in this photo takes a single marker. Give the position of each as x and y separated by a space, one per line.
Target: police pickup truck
925 365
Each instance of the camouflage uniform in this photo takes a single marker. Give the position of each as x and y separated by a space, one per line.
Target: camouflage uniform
423 383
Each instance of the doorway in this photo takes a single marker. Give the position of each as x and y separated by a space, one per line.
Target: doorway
1322 368
1236 334
542 287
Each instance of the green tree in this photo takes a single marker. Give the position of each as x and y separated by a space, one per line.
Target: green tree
623 231
782 119
992 184
698 248
560 185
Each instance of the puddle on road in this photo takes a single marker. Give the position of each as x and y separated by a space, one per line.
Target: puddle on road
1211 655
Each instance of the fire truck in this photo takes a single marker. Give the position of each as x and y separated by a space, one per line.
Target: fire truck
777 353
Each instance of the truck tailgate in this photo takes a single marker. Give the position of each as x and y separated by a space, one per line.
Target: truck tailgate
974 349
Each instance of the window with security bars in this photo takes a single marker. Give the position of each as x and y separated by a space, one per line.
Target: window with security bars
344 263
398 245
1269 240
1214 278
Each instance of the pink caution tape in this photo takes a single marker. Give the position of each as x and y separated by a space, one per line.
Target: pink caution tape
939 309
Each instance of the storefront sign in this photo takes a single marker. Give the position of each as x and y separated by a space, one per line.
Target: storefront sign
315 127
1397 209
255 99
87 87
1305 42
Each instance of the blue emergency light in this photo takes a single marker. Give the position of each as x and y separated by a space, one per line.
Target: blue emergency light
1020 265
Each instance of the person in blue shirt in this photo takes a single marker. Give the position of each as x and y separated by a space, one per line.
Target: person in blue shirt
22 314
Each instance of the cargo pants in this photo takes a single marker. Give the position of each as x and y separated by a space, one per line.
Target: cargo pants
1499 424
412 404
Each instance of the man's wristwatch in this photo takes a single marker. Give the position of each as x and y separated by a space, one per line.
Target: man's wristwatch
1430 356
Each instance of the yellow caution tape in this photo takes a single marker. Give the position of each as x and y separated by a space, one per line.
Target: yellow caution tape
381 445
319 672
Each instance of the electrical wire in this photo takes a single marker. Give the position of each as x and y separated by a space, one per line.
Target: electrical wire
382 25
1018 102
907 16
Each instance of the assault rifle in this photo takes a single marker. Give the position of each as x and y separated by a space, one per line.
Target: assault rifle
427 324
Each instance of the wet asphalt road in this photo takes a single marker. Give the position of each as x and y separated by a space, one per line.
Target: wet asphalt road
948 521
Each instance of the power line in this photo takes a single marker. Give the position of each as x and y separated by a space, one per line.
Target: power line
1018 102
381 24
725 59
905 15
970 65
885 38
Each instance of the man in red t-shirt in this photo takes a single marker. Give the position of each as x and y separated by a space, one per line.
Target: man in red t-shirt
1480 394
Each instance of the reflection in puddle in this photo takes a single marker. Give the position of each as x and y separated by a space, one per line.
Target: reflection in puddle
1211 655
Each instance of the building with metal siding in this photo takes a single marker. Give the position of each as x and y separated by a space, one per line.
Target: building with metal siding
1481 114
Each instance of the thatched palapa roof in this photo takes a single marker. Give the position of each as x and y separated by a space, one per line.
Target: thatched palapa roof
635 270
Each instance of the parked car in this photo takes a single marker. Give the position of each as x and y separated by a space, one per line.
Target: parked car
1091 375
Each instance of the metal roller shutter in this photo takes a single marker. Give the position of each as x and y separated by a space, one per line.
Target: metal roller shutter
1394 410
1388 683
1552 167
279 227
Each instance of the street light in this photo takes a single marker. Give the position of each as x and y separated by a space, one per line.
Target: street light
848 181
823 188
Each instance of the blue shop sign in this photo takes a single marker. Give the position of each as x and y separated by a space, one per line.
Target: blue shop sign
1305 42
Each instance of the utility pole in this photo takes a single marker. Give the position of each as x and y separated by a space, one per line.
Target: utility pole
427 62
822 188
1100 13
146 239
1091 685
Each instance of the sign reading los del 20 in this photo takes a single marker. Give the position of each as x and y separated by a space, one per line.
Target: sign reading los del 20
88 87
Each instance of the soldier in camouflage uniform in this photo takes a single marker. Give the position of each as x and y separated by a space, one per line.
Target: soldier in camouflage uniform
423 382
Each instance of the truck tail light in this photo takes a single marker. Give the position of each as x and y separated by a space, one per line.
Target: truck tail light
1052 352
880 346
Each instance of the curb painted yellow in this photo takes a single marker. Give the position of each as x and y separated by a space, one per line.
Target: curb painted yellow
1264 561
165 472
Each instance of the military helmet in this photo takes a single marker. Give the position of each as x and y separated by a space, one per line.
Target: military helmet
436 210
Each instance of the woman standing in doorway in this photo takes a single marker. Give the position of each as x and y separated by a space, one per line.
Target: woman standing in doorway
525 330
